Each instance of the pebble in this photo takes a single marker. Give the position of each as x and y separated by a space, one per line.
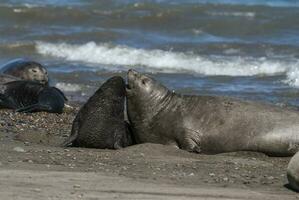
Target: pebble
76 186
37 190
211 174
27 143
270 177
19 149
225 179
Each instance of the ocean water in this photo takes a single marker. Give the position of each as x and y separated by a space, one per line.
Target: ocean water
240 48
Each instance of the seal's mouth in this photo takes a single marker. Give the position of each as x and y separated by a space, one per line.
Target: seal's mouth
128 87
131 77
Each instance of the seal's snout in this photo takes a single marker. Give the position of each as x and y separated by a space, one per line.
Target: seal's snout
132 75
44 81
132 72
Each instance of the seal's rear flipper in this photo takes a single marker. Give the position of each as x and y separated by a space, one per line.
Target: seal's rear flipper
33 108
61 93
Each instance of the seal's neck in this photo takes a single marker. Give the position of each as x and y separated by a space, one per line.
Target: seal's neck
158 102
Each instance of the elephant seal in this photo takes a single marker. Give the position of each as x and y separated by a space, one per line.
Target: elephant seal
30 96
208 124
293 172
100 122
26 69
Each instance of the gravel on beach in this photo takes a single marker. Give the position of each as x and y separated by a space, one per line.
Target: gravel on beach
31 142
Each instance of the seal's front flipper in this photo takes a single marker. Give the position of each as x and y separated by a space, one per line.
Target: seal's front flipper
71 140
129 137
33 108
5 102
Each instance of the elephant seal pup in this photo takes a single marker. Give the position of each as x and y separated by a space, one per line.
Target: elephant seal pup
30 96
208 124
100 122
293 172
26 69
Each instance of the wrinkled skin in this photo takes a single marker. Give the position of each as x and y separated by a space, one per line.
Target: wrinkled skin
208 124
26 70
293 172
30 96
100 122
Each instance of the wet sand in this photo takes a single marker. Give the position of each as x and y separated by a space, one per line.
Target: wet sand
33 166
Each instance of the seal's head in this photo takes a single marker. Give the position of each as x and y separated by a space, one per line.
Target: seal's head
145 95
27 70
35 72
113 87
144 87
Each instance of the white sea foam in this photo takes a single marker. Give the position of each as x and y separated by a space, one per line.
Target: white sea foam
171 61
17 10
68 87
293 77
233 14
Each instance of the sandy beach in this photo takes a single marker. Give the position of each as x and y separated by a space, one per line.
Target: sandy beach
33 166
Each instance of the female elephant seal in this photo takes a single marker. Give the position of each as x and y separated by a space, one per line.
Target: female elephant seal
208 124
27 70
30 96
100 122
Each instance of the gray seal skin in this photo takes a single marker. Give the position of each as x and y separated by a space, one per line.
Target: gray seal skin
293 172
26 69
30 96
100 122
4 78
208 124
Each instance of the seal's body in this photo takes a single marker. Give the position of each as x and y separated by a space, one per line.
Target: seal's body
26 70
100 122
208 124
30 96
293 172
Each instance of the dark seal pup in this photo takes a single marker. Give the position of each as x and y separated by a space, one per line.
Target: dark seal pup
30 96
100 122
208 124
26 69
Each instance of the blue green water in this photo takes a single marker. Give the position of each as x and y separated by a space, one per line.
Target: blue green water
246 49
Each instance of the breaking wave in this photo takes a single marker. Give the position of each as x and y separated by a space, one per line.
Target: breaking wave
68 87
174 62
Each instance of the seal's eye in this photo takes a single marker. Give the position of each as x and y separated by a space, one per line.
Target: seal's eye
144 81
34 70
